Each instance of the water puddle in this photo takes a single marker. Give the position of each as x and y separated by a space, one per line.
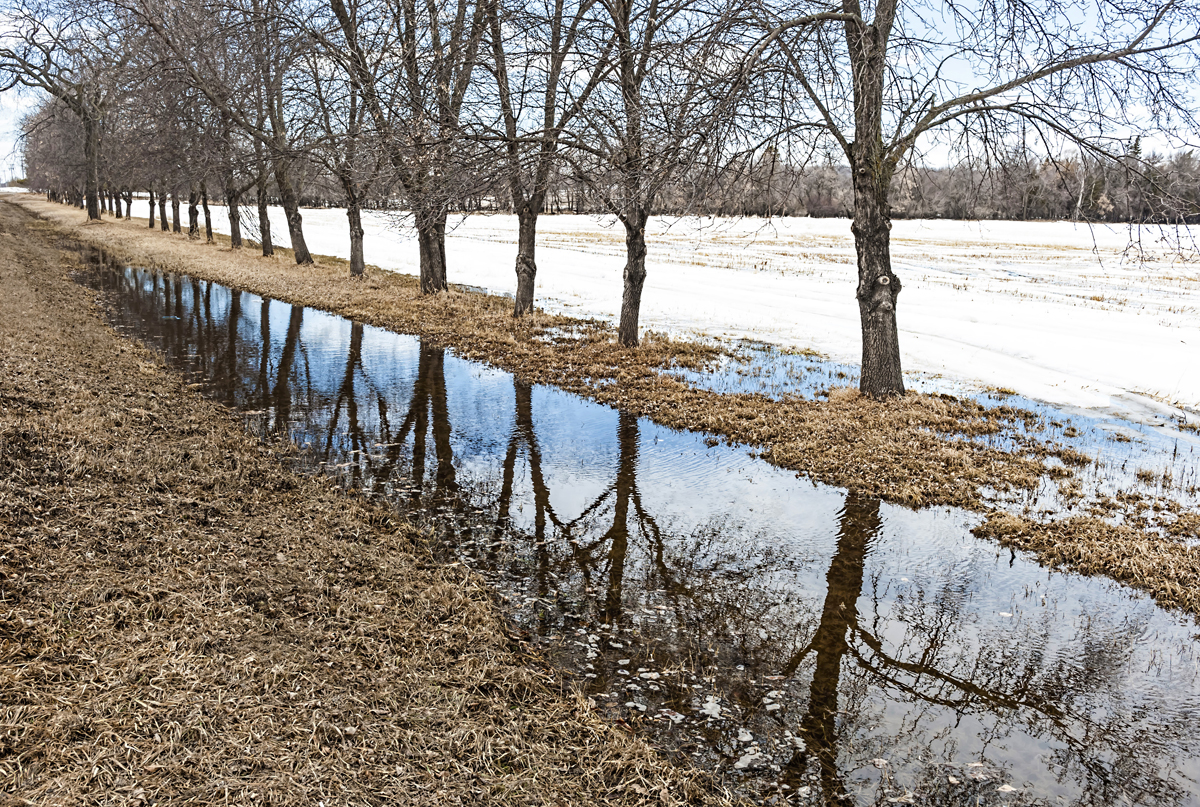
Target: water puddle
1129 465
809 645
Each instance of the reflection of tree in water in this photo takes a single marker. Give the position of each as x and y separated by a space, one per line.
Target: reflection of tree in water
915 650
523 437
281 394
427 415
859 526
348 399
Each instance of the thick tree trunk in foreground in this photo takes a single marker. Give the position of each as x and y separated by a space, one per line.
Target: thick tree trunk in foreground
151 208
208 236
162 212
871 170
91 158
291 209
354 215
176 227
878 289
635 278
233 201
431 240
193 213
264 220
527 216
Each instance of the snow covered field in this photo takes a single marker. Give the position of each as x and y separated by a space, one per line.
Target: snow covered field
1099 318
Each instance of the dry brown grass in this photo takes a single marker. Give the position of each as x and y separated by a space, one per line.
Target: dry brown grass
913 450
183 621
909 450
1165 568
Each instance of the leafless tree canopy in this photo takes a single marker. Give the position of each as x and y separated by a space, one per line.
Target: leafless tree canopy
633 108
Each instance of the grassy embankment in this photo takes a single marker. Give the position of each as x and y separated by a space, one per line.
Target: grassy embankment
184 621
915 450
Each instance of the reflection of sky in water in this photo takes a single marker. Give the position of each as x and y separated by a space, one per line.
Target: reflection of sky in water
870 631
1119 448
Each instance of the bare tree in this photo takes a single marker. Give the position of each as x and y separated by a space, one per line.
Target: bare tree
346 149
412 65
78 55
658 112
535 51
256 91
882 80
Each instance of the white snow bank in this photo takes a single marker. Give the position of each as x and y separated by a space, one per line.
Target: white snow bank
1093 317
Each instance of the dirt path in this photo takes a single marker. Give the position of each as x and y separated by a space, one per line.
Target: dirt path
182 620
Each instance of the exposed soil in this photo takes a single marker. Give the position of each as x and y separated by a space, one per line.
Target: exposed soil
183 620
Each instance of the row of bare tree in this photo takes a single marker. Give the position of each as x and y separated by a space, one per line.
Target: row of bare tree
633 102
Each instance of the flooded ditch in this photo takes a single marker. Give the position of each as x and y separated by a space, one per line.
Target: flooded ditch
808 645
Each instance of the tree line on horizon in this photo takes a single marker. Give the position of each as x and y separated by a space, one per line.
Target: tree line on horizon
625 107
1019 186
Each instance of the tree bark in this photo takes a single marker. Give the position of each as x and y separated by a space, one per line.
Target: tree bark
233 201
354 215
291 210
91 157
635 278
878 287
193 213
527 216
208 235
151 208
264 220
162 211
175 225
871 171
431 240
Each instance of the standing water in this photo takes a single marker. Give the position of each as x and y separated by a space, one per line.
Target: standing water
807 644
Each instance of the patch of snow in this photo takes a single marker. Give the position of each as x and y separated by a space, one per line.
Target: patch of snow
1061 312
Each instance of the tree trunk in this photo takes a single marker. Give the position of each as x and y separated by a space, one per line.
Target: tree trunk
193 213
208 236
233 202
282 394
527 215
291 209
91 157
624 494
151 208
860 524
878 287
175 226
871 170
162 211
264 224
354 214
635 278
431 240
